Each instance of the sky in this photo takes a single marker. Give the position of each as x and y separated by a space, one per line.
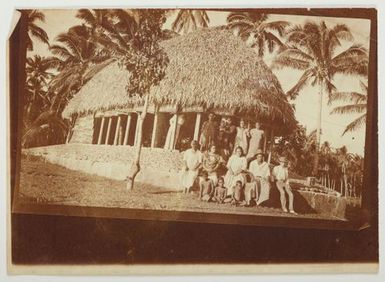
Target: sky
333 125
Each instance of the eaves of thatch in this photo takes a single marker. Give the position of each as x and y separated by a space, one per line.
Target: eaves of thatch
210 68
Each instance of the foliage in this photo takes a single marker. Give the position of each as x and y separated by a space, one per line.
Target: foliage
47 129
312 47
339 169
77 59
145 59
255 27
358 106
34 30
39 72
190 19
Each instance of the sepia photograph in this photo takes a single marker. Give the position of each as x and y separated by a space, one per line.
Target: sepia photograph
238 117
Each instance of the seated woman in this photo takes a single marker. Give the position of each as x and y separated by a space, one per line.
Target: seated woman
261 172
211 162
236 166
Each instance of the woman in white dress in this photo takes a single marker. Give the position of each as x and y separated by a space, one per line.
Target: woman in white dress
236 166
256 135
261 172
192 159
241 136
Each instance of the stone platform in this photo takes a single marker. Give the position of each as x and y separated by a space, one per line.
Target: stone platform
162 168
158 167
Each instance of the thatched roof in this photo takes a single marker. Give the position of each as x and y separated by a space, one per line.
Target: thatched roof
210 67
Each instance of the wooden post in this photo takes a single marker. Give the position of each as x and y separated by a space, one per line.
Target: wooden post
197 125
174 132
117 131
138 120
154 130
264 141
108 129
101 131
125 141
271 146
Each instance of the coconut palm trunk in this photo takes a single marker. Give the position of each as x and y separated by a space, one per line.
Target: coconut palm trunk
318 133
135 167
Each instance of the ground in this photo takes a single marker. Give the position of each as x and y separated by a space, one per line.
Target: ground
43 182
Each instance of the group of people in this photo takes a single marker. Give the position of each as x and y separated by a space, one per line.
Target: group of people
246 178
228 136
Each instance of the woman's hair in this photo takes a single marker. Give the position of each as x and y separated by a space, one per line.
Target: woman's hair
239 182
221 179
239 147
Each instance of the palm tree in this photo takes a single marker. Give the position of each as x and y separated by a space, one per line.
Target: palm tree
358 106
34 30
78 58
311 48
254 25
344 159
190 19
39 74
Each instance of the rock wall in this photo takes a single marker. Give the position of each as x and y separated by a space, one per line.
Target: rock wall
161 168
334 206
83 130
158 167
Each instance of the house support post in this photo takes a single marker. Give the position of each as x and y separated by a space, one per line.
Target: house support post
154 136
125 141
117 131
108 130
197 125
101 131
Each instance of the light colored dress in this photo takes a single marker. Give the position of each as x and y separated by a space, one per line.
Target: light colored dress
261 172
168 145
210 161
241 139
235 163
192 159
256 136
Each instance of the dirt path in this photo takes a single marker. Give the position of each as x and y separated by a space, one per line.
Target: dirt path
43 182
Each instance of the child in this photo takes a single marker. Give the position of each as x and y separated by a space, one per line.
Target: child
238 196
220 191
281 176
206 187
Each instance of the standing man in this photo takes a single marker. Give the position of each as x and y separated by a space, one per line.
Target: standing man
192 160
209 133
281 175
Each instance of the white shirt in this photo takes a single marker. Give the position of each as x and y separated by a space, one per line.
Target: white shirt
281 173
236 163
259 170
192 158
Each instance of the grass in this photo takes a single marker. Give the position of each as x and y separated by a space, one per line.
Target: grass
43 182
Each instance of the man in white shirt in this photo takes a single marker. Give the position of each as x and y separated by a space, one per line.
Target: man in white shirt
192 159
281 175
261 172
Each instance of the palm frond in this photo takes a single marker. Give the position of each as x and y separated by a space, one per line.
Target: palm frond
350 109
302 82
347 97
34 15
283 60
356 124
38 33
